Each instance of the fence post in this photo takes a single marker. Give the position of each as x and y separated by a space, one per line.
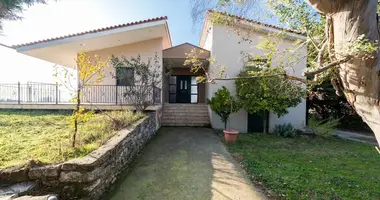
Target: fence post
153 93
19 93
56 93
116 93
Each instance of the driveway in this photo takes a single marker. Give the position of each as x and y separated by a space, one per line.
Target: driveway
185 163
356 137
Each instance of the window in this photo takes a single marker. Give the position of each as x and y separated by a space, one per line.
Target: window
125 76
173 89
257 62
194 90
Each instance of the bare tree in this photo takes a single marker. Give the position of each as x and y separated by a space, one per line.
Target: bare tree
90 71
140 79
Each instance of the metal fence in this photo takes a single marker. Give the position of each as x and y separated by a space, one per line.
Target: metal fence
44 93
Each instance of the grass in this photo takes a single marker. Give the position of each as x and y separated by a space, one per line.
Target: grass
310 168
46 135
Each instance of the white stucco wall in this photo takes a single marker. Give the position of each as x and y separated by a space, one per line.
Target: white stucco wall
227 47
146 49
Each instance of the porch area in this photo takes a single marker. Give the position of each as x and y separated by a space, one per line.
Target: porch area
184 99
180 84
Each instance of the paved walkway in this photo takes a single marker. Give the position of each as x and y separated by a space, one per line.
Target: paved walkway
184 164
356 137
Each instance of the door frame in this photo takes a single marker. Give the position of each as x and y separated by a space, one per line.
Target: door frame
265 120
187 87
177 89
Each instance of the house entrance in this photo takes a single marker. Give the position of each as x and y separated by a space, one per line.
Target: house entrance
183 89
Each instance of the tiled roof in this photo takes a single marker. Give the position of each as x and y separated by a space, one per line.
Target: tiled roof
93 31
256 22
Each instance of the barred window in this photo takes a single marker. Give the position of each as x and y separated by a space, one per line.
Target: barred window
125 76
257 62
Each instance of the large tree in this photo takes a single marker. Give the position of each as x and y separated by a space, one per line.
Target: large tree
347 50
12 9
349 20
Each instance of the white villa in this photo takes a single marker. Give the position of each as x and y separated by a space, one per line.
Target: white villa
181 99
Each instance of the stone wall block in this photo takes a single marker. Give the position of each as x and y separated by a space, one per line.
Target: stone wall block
88 177
49 172
14 175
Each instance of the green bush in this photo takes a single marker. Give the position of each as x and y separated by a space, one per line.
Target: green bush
223 104
268 93
323 127
285 130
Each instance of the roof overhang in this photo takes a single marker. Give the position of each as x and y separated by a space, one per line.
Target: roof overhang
176 56
63 50
248 24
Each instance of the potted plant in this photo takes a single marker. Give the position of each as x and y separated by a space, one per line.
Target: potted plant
223 104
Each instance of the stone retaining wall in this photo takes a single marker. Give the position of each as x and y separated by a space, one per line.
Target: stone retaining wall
90 176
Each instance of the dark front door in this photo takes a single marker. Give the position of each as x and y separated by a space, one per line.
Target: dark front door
183 89
256 123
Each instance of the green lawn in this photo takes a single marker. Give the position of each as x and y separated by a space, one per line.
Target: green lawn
46 135
311 168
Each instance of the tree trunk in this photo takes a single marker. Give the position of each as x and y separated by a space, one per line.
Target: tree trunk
360 78
265 121
77 107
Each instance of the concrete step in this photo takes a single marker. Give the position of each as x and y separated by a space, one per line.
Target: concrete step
184 105
185 115
201 119
187 124
183 123
186 112
185 108
186 119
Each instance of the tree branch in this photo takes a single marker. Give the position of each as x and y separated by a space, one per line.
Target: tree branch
294 78
331 65
287 76
321 52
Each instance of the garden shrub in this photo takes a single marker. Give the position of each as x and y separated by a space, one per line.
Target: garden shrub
223 104
285 130
273 94
323 127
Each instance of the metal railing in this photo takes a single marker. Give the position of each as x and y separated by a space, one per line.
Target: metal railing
45 93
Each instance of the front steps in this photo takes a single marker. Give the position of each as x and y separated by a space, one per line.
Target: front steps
185 115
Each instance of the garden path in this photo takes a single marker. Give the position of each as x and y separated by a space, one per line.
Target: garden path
185 163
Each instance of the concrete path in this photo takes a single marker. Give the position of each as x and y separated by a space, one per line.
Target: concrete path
356 137
185 163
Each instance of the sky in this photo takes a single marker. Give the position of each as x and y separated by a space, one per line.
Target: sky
64 17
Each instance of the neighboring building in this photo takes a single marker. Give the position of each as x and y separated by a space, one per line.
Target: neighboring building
183 99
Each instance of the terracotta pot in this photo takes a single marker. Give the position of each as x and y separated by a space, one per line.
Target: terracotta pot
230 136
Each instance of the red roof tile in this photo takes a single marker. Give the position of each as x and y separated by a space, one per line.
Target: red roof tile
93 31
257 22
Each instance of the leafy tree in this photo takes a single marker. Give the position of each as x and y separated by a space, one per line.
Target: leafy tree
267 94
12 9
347 49
146 80
223 104
324 104
90 71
